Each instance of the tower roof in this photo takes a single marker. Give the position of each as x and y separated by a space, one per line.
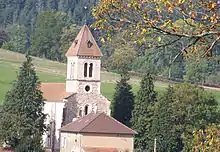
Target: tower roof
84 44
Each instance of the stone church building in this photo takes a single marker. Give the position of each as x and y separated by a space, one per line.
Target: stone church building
80 95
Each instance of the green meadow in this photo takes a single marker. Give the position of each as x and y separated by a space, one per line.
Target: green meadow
50 71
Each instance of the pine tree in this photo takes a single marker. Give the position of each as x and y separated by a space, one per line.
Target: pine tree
162 125
22 123
143 112
123 101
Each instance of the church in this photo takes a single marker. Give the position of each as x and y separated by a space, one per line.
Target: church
80 95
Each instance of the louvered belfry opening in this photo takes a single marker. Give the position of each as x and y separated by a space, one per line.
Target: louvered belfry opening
85 69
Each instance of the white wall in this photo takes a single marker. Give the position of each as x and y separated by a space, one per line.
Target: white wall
70 142
54 111
73 84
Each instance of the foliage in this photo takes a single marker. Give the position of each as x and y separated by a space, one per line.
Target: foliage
123 102
207 139
162 125
22 118
199 71
45 41
26 11
143 112
145 64
196 71
3 36
189 107
122 58
17 39
158 18
67 38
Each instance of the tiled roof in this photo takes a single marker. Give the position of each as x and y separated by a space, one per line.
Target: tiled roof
54 91
97 123
99 149
80 45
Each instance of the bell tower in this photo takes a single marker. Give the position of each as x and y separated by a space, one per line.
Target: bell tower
83 64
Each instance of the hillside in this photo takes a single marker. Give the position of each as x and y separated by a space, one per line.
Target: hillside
50 71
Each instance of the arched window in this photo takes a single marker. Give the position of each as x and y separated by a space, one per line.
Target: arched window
72 70
85 69
80 113
64 116
86 109
90 69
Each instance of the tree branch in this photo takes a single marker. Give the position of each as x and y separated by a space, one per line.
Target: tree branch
212 45
183 49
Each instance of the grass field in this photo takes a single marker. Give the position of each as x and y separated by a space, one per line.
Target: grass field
50 71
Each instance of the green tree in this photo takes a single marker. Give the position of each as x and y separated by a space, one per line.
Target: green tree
122 58
143 112
198 71
162 125
188 108
46 38
22 120
123 101
17 38
4 37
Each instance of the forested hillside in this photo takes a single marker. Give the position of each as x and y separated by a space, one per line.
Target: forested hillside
46 28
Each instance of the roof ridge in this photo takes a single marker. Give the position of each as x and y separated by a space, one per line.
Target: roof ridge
91 121
80 38
94 40
73 122
121 124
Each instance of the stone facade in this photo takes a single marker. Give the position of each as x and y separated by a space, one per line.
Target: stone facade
80 104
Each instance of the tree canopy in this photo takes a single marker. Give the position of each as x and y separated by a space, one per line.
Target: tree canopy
193 23
181 110
143 112
22 118
207 139
123 102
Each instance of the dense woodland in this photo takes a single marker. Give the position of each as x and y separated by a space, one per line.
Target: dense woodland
46 28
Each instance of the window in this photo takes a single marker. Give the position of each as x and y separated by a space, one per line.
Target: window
64 116
85 69
80 113
76 41
87 88
90 69
86 109
63 142
48 144
72 70
89 44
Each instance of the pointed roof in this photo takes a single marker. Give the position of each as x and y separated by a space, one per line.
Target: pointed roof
97 123
84 44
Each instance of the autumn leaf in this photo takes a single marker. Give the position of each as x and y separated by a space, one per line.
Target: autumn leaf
159 38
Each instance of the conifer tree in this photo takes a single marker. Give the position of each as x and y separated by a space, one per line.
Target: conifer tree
162 125
22 123
143 112
123 101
